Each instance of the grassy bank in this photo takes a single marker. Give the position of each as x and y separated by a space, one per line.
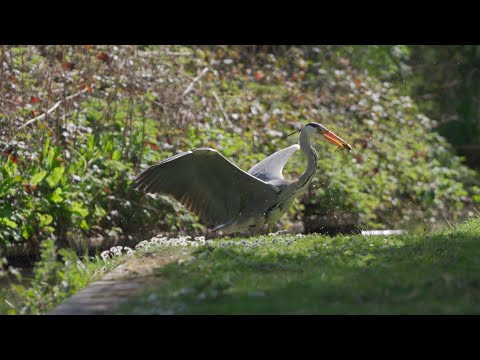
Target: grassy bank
429 274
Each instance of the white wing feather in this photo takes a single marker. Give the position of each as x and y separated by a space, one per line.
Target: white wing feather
271 167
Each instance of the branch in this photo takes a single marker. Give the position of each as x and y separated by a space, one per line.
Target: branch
53 108
190 87
221 108
161 105
8 101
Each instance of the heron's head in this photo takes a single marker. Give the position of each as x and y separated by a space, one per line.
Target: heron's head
316 130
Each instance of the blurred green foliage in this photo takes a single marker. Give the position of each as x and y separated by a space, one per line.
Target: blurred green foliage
443 81
67 175
446 81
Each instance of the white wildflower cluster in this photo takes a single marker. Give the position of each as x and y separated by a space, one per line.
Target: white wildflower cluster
286 234
159 241
116 251
280 237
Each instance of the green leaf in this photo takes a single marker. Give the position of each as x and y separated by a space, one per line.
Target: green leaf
45 219
11 168
117 155
9 222
55 176
46 147
50 229
91 143
99 211
56 196
25 232
84 225
51 157
108 147
77 208
38 177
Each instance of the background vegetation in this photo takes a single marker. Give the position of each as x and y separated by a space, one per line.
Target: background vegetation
77 123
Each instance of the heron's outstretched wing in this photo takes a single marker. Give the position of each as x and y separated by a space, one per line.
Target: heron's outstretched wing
207 184
271 167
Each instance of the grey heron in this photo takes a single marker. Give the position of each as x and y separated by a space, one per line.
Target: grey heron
227 198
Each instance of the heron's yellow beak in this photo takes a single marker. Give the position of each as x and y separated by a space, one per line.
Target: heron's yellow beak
336 140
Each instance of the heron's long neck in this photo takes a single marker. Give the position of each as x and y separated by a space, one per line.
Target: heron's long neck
312 160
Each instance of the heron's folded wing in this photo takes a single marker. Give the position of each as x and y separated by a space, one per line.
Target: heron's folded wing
207 184
271 167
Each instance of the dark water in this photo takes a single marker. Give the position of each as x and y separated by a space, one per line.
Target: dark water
25 278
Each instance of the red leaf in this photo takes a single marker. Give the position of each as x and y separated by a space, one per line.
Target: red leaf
86 86
30 188
68 66
34 100
258 75
152 145
103 56
13 158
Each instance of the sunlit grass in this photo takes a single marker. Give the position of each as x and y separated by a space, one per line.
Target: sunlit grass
286 274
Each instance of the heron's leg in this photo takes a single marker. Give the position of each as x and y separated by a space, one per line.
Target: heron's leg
257 230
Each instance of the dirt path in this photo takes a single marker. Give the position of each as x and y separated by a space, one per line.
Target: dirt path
105 295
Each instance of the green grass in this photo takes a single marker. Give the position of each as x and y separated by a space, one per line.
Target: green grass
413 274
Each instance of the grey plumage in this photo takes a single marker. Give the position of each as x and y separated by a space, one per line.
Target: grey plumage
223 195
271 167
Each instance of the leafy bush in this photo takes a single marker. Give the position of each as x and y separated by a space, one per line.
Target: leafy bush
67 174
70 177
401 170
58 274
